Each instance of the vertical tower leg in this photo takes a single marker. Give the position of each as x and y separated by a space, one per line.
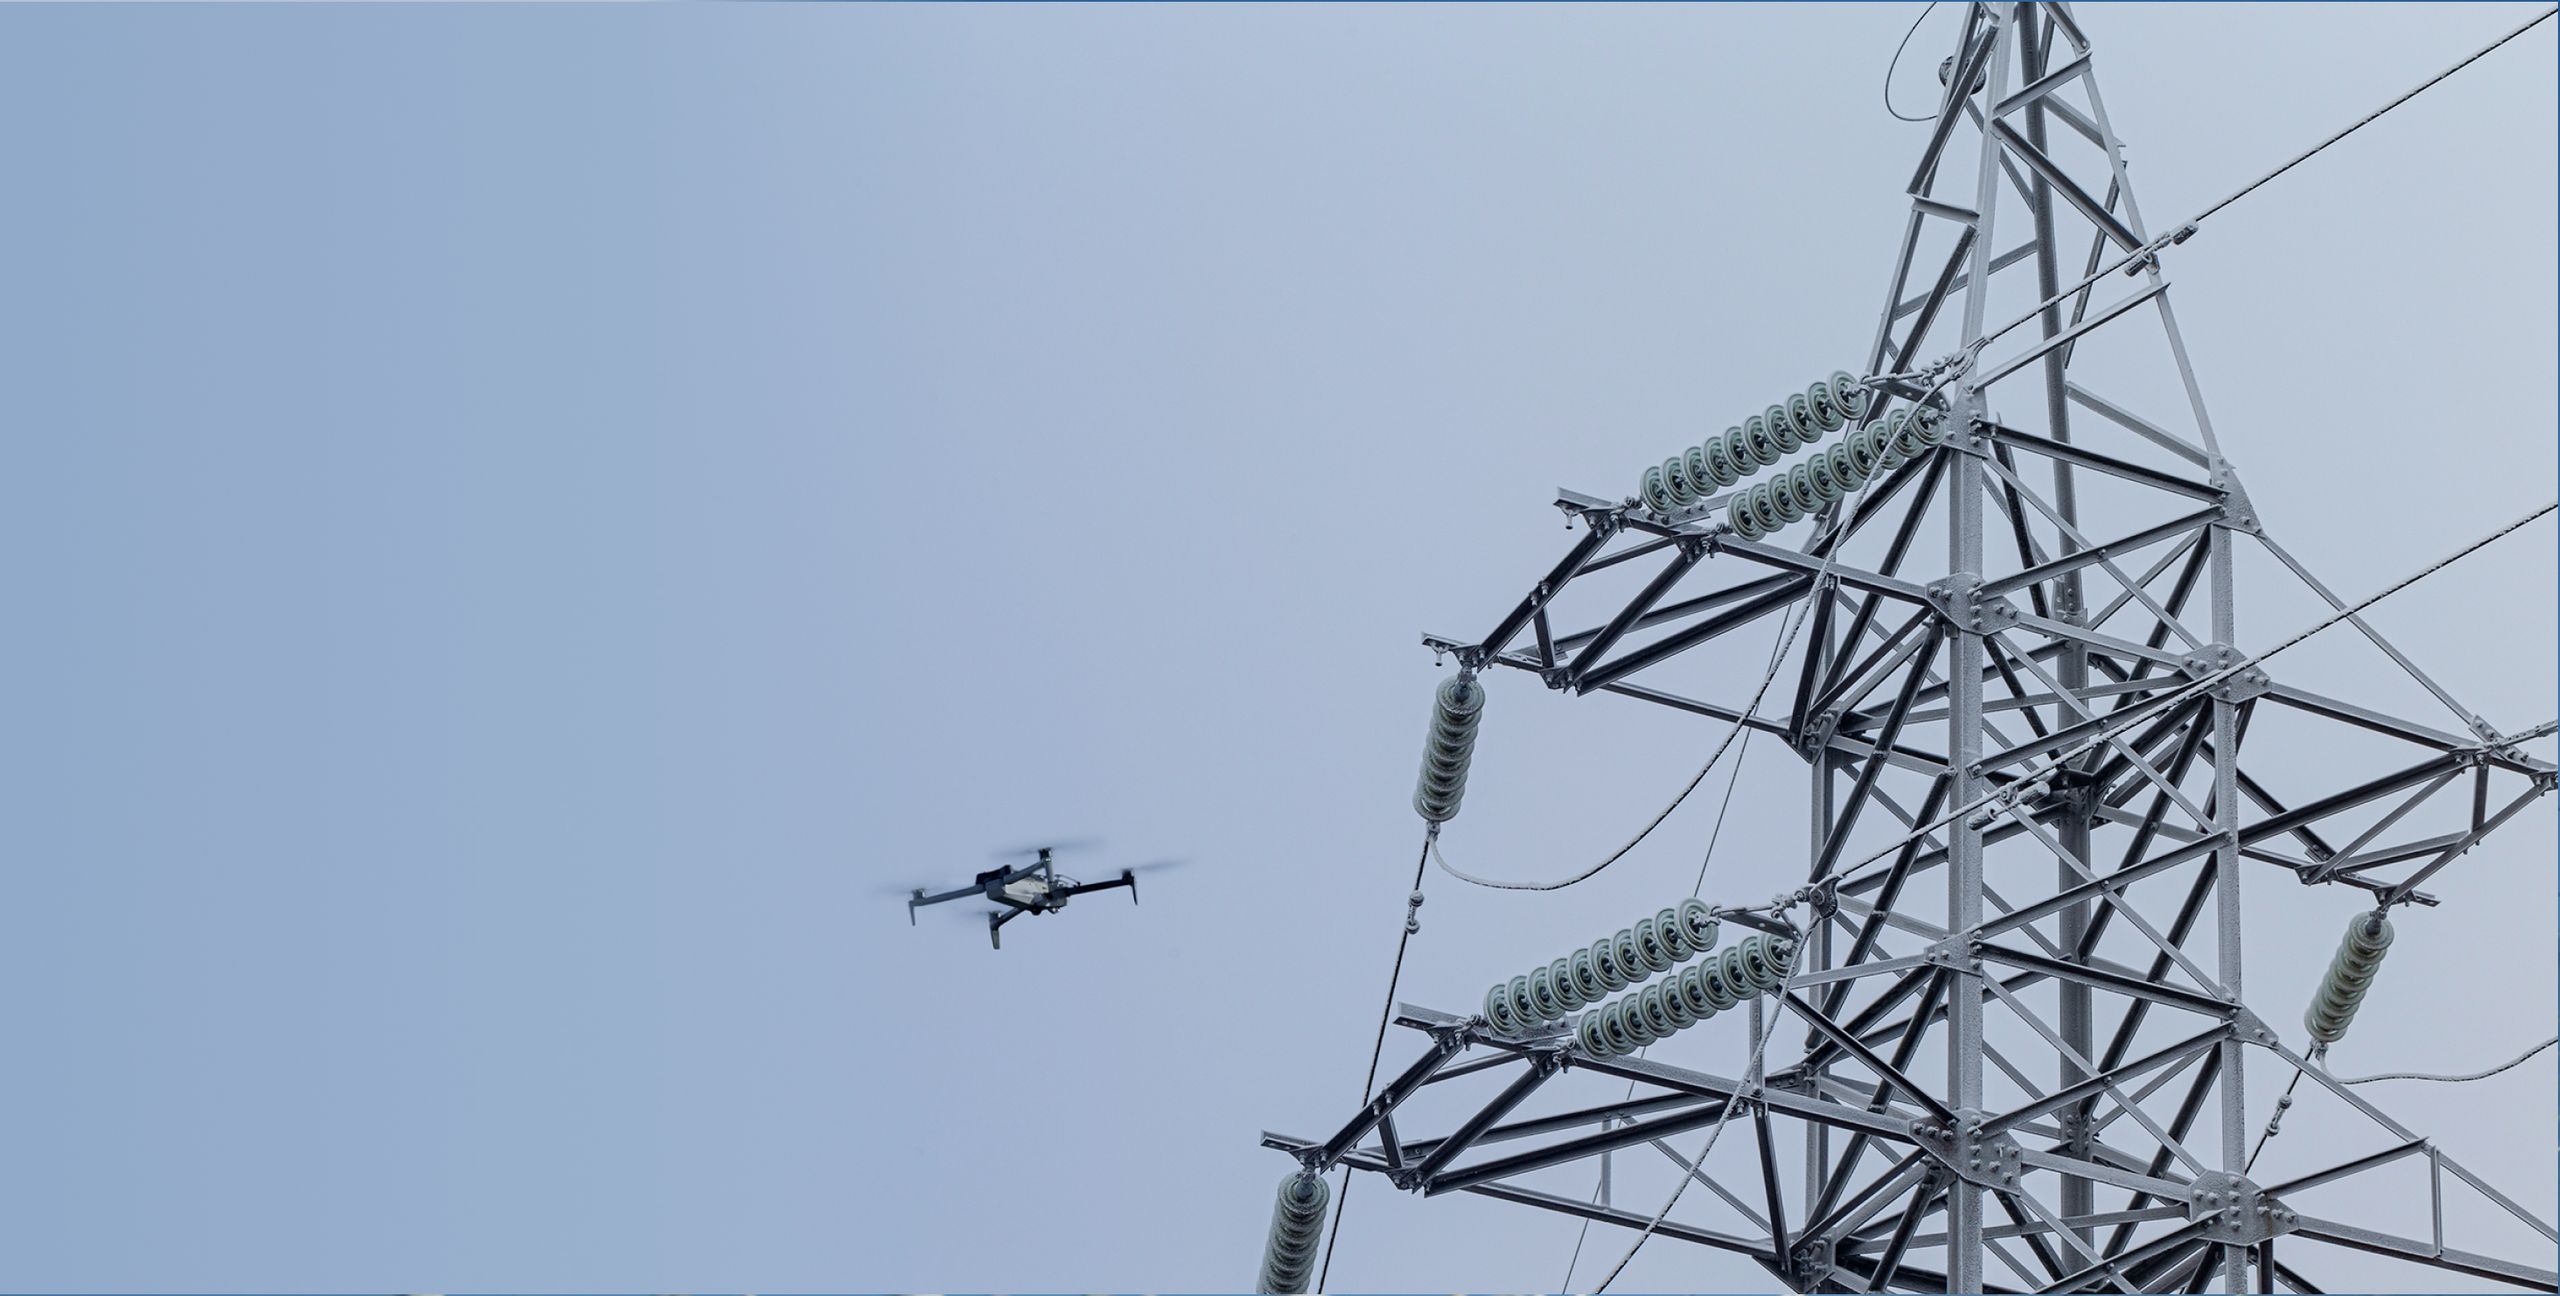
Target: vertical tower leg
1965 661
2075 829
2226 890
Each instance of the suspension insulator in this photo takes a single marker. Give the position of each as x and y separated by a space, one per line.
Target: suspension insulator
1758 442
1859 450
1612 963
1854 398
1800 414
1784 433
1654 491
1718 455
1749 968
1737 451
1456 709
1815 484
1823 406
1289 1260
1762 439
2350 975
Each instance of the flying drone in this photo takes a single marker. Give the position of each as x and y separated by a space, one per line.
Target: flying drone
1035 887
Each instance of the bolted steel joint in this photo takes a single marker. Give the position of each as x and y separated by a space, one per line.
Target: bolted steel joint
2240 685
2233 1209
1964 1151
1958 599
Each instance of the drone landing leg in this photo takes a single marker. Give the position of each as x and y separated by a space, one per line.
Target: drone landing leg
995 926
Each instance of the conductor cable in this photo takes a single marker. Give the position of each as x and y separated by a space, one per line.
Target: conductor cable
1368 1087
2508 1065
1753 1079
2179 232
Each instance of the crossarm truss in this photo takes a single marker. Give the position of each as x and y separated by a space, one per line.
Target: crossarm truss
2042 772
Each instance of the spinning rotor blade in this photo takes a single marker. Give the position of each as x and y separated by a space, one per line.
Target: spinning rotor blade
1053 847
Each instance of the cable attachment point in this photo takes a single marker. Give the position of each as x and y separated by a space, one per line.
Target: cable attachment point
2027 792
1824 897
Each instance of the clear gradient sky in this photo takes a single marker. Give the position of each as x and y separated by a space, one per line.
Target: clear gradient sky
520 521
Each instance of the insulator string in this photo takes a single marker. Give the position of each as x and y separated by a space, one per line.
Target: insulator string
1291 1250
1817 588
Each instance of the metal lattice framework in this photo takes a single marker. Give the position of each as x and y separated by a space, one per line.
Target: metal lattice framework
2006 1036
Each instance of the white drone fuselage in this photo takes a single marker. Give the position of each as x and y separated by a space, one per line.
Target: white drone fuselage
1032 891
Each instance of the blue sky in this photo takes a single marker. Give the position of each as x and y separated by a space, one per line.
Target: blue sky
522 520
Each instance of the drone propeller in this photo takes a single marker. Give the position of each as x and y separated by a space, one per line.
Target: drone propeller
1053 847
1158 866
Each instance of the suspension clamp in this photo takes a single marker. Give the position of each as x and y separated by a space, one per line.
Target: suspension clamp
1824 896
2069 788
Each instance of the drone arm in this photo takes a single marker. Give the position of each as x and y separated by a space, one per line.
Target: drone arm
1127 879
920 899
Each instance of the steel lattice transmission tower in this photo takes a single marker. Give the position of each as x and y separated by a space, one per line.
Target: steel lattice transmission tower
2005 1037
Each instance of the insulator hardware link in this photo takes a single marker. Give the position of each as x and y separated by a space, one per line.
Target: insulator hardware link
1749 968
1289 1261
2350 975
1759 442
1456 709
1612 963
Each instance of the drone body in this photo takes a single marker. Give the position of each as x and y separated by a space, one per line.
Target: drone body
1032 888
